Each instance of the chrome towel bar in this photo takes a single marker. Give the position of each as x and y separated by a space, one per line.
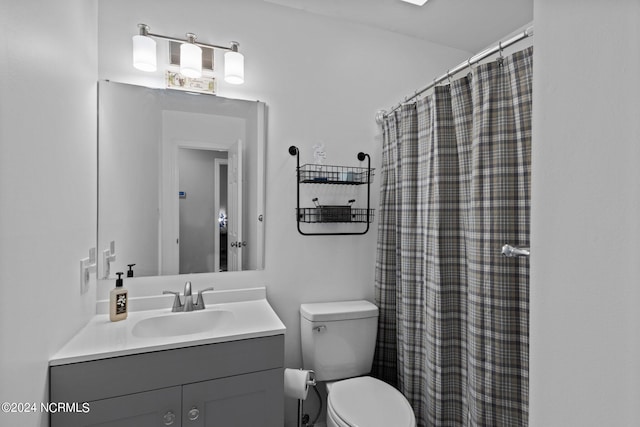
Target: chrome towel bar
512 251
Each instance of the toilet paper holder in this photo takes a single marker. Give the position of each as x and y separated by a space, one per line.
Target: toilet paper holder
311 382
304 419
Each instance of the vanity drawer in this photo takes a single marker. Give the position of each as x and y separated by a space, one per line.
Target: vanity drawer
118 376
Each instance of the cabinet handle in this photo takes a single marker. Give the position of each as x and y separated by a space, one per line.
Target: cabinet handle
169 418
193 414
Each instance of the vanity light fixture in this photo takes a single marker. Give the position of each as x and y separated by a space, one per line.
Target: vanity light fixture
144 55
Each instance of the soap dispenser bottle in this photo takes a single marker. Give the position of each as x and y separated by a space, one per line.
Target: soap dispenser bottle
118 301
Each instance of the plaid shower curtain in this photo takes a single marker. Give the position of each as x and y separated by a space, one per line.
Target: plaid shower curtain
453 331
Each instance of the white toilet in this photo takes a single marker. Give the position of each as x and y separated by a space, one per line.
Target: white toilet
338 341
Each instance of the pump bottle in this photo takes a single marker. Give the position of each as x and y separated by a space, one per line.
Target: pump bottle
118 301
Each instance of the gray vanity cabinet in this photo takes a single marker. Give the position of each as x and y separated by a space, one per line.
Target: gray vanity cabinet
229 384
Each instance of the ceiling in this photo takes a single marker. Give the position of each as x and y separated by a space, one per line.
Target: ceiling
470 25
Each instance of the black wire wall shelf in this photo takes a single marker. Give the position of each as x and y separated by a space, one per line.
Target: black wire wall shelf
335 214
340 175
336 175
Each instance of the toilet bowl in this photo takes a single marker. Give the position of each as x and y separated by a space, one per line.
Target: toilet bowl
367 402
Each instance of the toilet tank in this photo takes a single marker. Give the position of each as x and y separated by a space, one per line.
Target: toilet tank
338 338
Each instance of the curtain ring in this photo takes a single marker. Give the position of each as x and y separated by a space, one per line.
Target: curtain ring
500 60
448 77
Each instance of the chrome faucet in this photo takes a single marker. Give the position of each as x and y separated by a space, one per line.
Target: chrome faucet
188 299
188 305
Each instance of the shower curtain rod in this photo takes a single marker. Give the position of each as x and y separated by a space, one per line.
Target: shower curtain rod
467 64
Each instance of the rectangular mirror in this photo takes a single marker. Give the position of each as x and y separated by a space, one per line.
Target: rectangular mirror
180 182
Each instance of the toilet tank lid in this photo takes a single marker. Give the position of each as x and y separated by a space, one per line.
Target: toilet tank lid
339 310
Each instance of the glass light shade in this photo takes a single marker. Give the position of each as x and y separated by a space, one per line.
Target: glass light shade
144 53
190 60
234 68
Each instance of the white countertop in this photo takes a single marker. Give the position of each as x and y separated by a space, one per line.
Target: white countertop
253 317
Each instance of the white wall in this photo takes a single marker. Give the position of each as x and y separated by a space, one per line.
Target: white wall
585 264
322 80
48 70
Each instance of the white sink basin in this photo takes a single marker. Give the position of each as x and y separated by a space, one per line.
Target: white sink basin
174 324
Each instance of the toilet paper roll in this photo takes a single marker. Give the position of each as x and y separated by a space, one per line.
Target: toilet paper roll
296 383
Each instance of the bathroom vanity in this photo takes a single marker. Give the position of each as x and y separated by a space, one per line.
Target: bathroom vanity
231 375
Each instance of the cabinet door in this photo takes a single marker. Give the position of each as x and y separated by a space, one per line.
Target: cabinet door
254 399
149 409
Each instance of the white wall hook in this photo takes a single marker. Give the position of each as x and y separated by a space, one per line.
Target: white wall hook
108 256
87 266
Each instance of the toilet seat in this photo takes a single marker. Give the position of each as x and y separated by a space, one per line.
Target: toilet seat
368 402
